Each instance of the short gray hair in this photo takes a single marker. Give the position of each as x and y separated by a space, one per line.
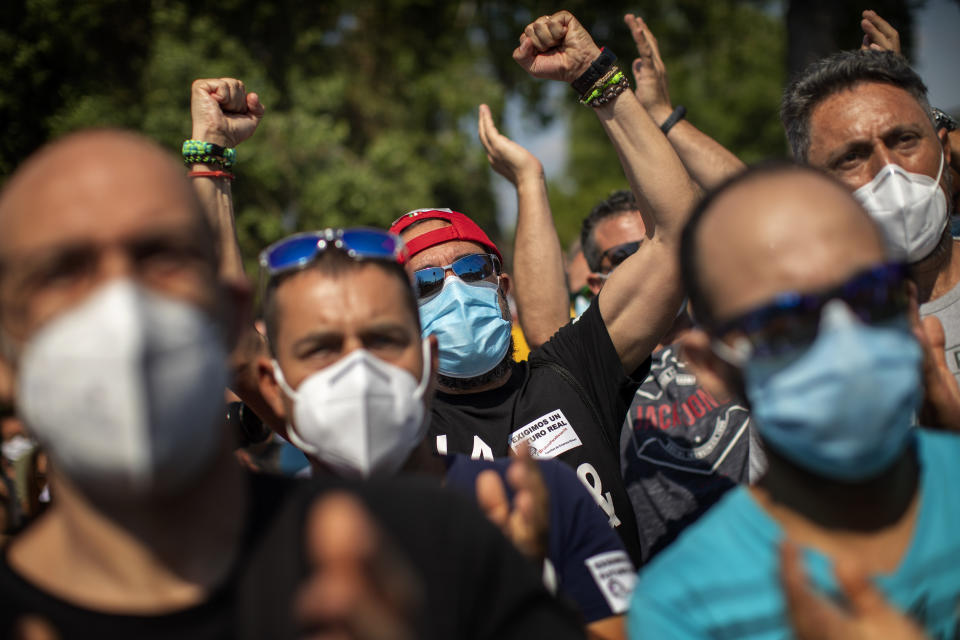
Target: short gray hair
830 75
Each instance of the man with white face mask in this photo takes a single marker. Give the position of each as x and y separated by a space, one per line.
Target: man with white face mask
354 379
863 117
802 316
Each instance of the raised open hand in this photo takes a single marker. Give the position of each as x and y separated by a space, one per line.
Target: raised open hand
649 72
223 112
556 47
878 34
507 158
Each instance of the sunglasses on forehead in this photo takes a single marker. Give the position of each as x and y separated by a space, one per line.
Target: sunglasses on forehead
616 255
472 268
298 250
791 321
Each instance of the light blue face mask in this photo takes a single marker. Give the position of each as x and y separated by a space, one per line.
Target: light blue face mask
842 409
470 329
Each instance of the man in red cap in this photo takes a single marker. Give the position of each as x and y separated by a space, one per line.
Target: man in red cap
569 399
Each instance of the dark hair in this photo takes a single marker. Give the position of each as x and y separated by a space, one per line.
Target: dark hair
830 75
618 203
689 265
334 263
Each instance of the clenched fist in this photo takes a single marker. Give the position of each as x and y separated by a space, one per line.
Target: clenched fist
223 112
556 47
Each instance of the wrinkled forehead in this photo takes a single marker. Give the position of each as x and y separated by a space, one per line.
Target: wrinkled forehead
95 190
792 231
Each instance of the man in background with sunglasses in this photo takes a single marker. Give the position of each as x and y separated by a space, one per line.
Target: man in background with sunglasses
569 399
801 316
681 448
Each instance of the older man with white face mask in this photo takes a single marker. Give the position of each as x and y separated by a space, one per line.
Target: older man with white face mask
863 117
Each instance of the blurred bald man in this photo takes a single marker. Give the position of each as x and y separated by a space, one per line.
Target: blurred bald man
803 317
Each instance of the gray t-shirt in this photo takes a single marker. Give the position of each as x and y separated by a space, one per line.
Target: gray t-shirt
947 309
681 450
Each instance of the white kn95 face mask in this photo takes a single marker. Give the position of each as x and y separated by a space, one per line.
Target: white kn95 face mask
125 391
910 208
361 415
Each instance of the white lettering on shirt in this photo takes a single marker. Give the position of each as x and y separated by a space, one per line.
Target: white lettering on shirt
591 480
481 450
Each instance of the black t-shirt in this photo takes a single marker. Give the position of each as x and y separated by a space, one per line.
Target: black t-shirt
476 584
568 401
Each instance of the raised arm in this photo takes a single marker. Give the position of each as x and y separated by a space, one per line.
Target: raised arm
541 293
707 161
225 114
641 298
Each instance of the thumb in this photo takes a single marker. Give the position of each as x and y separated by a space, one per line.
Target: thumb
863 596
492 498
935 335
254 106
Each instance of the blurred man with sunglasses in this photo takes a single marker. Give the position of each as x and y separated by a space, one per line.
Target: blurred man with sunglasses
568 401
802 317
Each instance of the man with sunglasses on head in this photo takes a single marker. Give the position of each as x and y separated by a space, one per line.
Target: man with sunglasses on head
569 399
351 374
801 316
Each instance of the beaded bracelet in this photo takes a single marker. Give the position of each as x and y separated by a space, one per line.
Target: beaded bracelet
612 85
200 152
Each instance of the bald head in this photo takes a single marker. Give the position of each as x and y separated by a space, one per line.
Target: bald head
65 182
93 206
772 230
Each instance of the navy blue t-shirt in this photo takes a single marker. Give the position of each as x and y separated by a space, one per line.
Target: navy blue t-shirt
588 558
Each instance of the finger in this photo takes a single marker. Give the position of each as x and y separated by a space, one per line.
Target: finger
875 35
542 38
864 598
811 616
484 121
254 106
525 52
635 30
339 531
883 26
556 30
492 498
936 337
654 44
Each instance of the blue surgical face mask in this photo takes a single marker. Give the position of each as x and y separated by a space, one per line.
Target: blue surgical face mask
843 408
470 329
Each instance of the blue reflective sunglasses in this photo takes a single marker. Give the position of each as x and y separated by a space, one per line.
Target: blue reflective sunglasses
791 320
471 268
298 250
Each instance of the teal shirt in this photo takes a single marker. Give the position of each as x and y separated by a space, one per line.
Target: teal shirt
720 579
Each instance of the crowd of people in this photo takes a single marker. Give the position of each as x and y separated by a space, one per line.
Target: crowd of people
734 420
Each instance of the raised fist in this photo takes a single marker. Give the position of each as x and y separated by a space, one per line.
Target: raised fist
556 47
223 112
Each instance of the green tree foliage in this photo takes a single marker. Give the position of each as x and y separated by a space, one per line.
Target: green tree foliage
371 106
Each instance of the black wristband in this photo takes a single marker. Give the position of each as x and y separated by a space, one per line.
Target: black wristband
673 119
595 71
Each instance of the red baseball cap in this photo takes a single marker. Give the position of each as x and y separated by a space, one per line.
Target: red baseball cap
461 228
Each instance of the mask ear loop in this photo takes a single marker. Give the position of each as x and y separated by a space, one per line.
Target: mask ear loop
427 369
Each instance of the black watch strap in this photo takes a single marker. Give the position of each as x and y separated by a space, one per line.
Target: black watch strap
673 119
595 71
